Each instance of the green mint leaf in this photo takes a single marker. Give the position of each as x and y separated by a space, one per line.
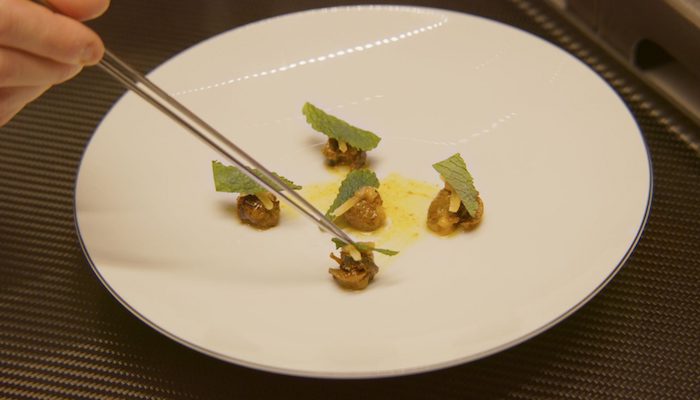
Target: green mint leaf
454 170
364 247
338 129
386 252
338 243
355 180
231 179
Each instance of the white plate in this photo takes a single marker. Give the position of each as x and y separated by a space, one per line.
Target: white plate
558 159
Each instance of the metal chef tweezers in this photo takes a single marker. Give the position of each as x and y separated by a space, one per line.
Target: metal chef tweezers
159 99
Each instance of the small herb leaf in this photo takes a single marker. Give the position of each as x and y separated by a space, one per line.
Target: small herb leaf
338 129
231 179
364 247
355 180
454 170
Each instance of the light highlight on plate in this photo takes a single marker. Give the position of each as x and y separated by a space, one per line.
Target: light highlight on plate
325 57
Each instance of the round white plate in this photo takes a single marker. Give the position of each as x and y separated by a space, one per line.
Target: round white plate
557 157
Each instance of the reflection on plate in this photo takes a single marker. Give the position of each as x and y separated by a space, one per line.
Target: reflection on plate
558 159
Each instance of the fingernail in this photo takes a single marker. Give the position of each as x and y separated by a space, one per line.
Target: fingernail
90 55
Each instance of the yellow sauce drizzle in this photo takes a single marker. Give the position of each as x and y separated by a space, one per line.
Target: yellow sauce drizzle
406 202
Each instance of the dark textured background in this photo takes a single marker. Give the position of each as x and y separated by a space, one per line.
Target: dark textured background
63 336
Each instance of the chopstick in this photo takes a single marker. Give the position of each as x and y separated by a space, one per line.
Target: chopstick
158 98
176 111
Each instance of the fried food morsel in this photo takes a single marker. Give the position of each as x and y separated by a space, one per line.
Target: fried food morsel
353 274
337 154
252 211
368 213
443 222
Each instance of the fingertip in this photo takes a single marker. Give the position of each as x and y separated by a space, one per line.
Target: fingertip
82 10
99 9
92 53
69 41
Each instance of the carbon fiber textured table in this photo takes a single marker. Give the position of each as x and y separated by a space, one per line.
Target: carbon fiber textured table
63 336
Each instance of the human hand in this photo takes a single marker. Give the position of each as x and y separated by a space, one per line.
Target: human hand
40 48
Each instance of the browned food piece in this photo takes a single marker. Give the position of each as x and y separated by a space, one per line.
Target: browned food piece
468 222
440 219
352 157
252 211
443 222
351 274
368 214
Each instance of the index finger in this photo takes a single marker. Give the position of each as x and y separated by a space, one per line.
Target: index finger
35 29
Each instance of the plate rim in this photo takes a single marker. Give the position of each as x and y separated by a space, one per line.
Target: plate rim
388 373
